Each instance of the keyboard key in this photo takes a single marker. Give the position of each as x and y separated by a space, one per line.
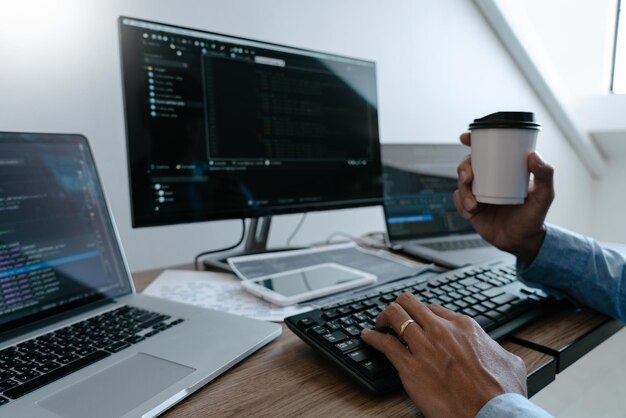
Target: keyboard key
445 299
149 323
346 322
372 312
470 312
306 323
357 307
455 295
493 292
28 375
348 345
331 314
460 303
333 326
496 282
5 374
506 298
334 337
470 300
469 281
364 354
483 286
438 292
377 369
353 331
388 298
24 367
117 347
8 384
369 303
345 310
451 307
479 296
480 308
85 351
318 331
360 317
134 339
45 368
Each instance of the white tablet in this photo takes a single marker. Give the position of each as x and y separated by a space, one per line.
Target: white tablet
289 287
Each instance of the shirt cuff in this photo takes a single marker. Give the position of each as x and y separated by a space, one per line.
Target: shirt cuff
562 252
511 405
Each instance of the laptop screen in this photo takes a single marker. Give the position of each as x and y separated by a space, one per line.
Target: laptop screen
419 180
58 248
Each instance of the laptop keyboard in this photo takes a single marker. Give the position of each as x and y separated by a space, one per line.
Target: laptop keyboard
491 295
455 245
37 362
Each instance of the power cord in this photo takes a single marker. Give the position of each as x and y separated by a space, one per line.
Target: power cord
202 254
363 240
295 231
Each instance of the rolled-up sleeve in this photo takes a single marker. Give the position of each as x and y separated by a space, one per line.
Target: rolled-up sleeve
579 268
511 405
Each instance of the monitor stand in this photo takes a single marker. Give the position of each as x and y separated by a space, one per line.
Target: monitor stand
255 243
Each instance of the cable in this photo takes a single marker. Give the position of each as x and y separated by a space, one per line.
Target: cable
363 240
293 234
243 234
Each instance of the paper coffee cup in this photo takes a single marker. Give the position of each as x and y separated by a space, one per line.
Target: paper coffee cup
501 143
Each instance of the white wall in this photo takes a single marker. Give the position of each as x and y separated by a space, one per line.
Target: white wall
576 38
573 42
439 66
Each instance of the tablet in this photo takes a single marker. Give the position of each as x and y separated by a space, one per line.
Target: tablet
289 287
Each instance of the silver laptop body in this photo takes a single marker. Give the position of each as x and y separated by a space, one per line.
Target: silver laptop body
420 216
58 227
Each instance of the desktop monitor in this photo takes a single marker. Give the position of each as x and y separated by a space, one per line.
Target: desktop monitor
220 127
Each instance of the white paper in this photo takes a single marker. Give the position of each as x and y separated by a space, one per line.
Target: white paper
219 291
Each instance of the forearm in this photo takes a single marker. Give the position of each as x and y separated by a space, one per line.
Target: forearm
511 405
578 267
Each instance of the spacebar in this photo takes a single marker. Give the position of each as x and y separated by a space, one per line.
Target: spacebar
43 380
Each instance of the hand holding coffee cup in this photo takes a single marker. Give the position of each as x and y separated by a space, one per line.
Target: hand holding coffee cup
517 229
501 143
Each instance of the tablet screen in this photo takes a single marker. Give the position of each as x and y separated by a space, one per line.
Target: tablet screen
304 281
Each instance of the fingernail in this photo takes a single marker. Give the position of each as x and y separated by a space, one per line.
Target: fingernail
463 176
365 331
468 204
540 160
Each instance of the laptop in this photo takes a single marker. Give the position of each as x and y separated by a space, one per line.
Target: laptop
75 338
421 219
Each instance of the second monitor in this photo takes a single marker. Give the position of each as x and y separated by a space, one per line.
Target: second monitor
220 127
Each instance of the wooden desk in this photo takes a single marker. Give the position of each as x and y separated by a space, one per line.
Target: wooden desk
287 378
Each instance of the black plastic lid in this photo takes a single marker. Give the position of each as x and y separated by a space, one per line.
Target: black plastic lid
511 120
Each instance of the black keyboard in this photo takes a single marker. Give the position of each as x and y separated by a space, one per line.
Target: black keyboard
491 294
455 245
37 362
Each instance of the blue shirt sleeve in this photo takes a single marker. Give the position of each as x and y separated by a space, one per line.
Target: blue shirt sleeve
579 268
511 405
571 266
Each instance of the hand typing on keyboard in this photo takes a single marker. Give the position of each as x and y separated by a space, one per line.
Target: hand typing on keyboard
447 364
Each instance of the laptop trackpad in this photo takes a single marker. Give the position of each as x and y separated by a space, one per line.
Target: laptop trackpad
117 390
